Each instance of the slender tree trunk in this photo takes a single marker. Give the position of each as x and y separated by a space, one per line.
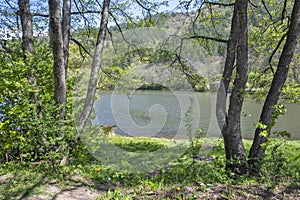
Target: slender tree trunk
28 47
296 72
89 101
227 73
66 23
256 151
56 40
26 22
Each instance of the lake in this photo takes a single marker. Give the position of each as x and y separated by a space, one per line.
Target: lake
164 113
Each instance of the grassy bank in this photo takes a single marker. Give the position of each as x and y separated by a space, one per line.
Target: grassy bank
184 178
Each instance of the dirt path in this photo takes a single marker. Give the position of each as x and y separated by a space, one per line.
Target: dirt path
53 192
81 188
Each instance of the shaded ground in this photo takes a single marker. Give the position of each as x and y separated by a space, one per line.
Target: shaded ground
82 188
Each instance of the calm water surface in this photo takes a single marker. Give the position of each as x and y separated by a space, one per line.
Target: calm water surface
160 113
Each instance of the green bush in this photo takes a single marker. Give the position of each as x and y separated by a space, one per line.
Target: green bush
31 132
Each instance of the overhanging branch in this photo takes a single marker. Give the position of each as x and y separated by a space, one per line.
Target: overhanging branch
219 4
206 38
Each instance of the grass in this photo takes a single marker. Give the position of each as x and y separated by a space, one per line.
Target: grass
182 179
139 144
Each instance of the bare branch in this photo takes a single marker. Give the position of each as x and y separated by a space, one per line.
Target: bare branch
219 4
80 46
144 7
252 4
119 27
207 38
111 38
39 15
275 50
265 6
283 10
128 16
212 19
196 18
80 12
86 12
6 1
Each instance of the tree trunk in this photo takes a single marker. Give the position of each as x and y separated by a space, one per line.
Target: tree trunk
89 101
227 73
28 47
26 22
66 23
230 123
234 147
56 40
256 151
296 71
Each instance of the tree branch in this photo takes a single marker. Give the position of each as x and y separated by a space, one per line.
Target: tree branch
283 10
252 4
111 38
275 50
80 46
207 38
7 2
119 27
265 6
219 4
39 15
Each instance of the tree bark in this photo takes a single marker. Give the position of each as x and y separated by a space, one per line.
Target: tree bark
56 40
234 147
26 22
66 23
230 124
89 101
227 73
28 47
257 151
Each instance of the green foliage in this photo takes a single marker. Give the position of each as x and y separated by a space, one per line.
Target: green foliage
274 165
189 117
31 132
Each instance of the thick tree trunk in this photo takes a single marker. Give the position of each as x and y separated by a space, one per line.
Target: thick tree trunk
89 101
256 151
234 147
28 47
56 40
66 23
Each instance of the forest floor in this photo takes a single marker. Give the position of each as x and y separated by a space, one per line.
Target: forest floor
86 178
84 189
